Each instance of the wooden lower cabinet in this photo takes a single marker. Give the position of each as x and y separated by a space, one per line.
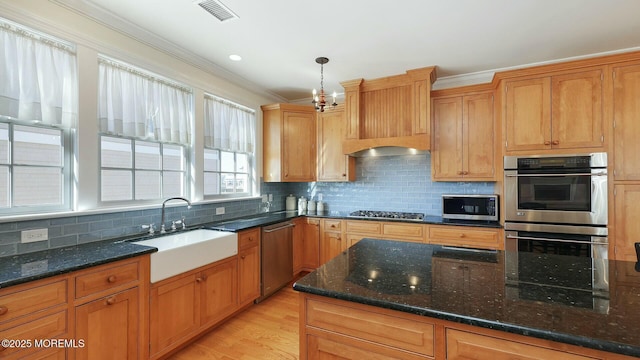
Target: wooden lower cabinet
99 312
462 345
306 245
185 305
248 275
218 292
463 236
109 327
338 329
332 240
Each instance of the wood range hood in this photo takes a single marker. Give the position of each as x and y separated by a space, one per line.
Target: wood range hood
390 115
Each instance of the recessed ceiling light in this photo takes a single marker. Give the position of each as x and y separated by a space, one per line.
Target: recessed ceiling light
235 57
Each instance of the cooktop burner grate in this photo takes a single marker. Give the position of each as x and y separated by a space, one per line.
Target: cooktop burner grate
390 215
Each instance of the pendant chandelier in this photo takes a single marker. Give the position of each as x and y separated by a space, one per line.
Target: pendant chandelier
319 99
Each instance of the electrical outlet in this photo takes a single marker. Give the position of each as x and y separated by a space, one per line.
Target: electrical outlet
28 236
220 211
265 198
270 197
319 196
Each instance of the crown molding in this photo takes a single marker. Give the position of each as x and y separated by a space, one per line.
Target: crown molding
137 33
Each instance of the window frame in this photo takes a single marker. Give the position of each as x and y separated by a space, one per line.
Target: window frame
251 182
67 169
186 159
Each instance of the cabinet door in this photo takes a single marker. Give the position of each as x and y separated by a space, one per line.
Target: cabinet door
528 114
311 244
218 291
331 245
576 115
466 345
478 135
174 312
626 103
109 327
248 274
298 146
447 146
333 165
627 226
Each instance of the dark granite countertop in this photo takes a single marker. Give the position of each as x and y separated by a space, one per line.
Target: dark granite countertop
23 268
18 269
275 217
470 288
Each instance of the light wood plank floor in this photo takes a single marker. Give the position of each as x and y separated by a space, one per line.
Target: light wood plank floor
265 331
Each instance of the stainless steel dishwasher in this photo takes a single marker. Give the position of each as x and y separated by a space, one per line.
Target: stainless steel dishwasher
276 258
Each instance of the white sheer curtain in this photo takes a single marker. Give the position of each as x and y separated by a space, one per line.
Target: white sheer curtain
38 77
140 105
228 126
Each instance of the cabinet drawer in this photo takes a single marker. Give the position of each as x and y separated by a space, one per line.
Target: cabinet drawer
327 345
466 237
364 227
248 238
465 345
48 327
394 331
403 231
32 299
332 225
104 278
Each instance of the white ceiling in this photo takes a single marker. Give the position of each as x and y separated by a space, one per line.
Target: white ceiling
280 39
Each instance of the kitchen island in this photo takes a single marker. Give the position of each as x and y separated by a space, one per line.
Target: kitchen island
398 300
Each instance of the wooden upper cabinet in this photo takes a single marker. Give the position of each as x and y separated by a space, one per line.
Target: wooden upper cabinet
576 106
562 111
463 138
333 165
289 143
528 114
626 117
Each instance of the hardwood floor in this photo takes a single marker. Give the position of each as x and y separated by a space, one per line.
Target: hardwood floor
268 330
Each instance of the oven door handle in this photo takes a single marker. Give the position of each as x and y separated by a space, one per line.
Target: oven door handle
556 240
601 173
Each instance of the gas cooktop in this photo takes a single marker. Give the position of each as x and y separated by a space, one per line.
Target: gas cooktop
387 215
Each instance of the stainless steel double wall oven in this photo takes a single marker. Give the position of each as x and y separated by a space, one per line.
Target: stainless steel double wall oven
557 204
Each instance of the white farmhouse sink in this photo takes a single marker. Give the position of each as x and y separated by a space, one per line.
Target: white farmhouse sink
188 250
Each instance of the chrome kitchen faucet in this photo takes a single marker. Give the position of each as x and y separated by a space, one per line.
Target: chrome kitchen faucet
173 226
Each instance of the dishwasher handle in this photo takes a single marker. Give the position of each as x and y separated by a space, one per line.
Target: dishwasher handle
287 225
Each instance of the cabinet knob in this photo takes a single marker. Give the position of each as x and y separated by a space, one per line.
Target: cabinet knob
460 172
111 279
547 142
3 310
198 279
111 300
462 235
555 142
344 175
465 173
243 257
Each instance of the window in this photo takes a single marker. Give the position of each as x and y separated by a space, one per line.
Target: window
38 110
145 125
140 170
229 149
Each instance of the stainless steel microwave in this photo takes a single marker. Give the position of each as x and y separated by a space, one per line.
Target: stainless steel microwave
470 207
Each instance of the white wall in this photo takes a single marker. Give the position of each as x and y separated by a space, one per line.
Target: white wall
93 38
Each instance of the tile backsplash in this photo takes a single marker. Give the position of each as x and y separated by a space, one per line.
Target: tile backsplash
390 183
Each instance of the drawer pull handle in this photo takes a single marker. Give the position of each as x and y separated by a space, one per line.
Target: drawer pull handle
111 279
547 142
243 257
198 279
3 310
111 300
462 235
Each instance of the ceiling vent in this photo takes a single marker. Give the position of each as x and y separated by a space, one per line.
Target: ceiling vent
217 9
